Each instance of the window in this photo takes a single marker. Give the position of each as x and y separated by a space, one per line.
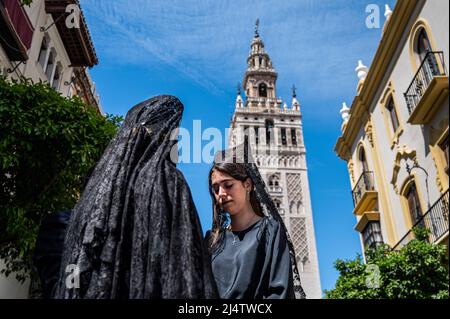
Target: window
269 131
274 183
278 206
257 135
262 90
423 47
363 160
444 147
393 114
246 131
372 235
56 78
50 65
415 211
283 136
423 44
43 52
294 137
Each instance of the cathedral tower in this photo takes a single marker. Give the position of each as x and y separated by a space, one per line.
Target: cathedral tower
276 137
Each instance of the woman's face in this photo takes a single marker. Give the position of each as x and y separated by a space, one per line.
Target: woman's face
229 193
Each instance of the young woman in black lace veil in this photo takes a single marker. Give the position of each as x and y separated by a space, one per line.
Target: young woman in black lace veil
135 232
252 254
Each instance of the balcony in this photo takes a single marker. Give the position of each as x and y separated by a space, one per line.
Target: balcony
275 189
428 89
77 41
16 30
364 195
435 219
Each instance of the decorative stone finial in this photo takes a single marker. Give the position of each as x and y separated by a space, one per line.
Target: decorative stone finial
387 12
345 112
239 102
361 70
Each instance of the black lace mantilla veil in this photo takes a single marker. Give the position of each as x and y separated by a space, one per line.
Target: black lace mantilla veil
135 232
242 154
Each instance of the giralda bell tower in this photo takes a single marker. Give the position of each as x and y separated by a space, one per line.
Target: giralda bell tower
274 130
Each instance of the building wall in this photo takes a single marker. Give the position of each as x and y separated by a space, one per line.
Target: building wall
385 149
9 286
435 13
34 70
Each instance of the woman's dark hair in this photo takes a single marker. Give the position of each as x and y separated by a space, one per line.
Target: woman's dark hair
238 172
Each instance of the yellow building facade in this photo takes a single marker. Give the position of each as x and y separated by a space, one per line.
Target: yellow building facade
395 134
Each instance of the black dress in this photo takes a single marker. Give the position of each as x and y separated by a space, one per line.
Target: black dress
135 232
254 263
260 268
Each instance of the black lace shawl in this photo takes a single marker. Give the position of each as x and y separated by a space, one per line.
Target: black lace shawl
135 232
242 154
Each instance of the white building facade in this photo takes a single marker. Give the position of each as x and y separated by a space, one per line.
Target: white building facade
395 135
42 42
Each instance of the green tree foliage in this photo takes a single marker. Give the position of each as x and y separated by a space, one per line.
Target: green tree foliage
48 144
419 270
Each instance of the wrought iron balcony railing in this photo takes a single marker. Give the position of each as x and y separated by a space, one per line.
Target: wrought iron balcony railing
435 219
364 184
431 66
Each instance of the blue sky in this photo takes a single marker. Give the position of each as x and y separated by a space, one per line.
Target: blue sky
197 51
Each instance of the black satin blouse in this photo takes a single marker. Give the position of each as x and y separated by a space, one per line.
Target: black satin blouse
254 263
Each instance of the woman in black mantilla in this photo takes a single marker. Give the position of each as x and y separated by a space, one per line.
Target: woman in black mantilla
252 255
135 232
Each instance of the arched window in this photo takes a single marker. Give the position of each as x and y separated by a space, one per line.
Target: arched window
390 107
363 160
414 207
445 151
294 136
56 77
43 51
256 135
50 65
423 45
422 51
277 203
262 90
283 136
269 131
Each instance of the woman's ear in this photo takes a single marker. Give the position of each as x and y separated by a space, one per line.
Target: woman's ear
248 184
